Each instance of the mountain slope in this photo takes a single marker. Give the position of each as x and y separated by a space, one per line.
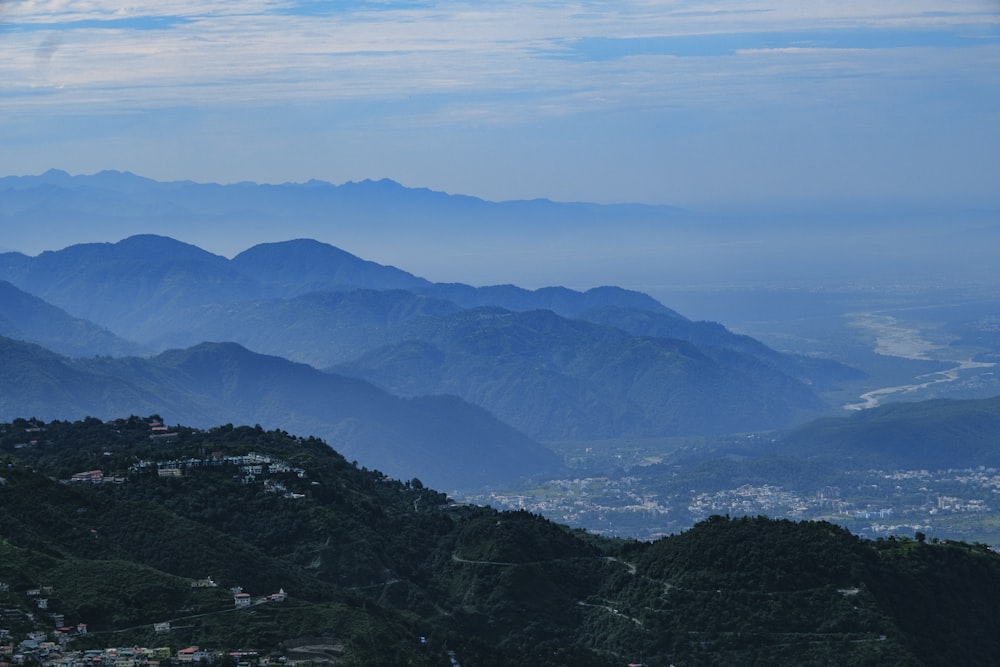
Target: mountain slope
28 318
40 383
869 594
293 268
636 368
393 573
440 439
935 434
443 440
820 374
556 378
136 287
319 328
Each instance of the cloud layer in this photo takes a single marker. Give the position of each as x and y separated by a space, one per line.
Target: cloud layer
678 95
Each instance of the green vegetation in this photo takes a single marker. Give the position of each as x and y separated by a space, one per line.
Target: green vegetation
375 564
943 433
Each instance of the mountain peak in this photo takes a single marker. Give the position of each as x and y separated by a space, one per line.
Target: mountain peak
304 265
55 175
155 243
299 245
123 182
148 247
387 183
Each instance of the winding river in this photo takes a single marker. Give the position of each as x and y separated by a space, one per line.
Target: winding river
894 339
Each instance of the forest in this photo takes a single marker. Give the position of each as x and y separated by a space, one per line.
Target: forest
400 574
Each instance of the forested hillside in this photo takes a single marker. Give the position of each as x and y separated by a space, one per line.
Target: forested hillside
935 434
116 521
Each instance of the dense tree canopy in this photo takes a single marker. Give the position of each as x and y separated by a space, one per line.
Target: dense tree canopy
379 563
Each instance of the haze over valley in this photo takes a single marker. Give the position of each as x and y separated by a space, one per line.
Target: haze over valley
482 391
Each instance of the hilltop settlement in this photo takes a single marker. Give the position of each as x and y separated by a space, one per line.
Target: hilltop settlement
128 542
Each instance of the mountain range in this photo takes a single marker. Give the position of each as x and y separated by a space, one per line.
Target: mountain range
540 242
119 204
441 439
554 363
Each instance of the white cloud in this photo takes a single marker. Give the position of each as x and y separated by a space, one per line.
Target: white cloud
446 47
495 65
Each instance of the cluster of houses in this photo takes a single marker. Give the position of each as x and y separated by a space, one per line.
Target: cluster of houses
35 651
50 649
38 597
40 651
241 599
252 465
157 431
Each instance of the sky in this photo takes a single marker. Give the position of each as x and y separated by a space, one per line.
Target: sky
725 103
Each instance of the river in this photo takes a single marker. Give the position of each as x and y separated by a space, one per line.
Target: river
896 339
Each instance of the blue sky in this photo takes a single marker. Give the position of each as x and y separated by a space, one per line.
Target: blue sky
706 105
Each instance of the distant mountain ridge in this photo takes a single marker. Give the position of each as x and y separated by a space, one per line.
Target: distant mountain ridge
563 379
72 208
385 188
556 363
533 242
441 439
144 272
300 266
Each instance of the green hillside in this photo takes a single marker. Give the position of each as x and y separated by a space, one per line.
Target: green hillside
382 571
942 433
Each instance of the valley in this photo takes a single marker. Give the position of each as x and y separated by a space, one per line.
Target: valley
914 340
650 489
946 504
604 409
506 395
893 339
